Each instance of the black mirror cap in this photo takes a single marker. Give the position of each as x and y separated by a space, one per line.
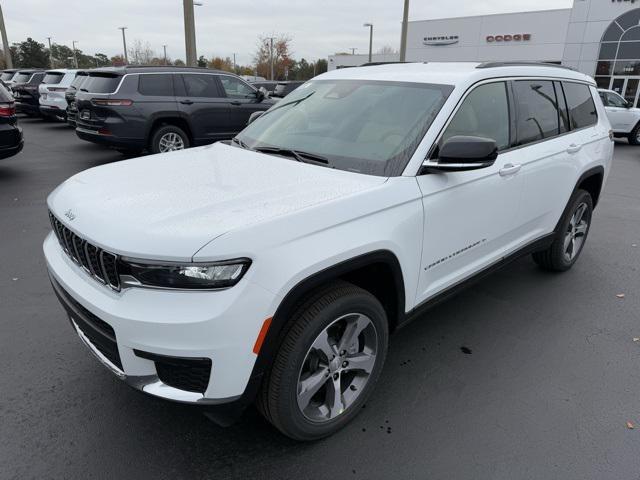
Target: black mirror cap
468 149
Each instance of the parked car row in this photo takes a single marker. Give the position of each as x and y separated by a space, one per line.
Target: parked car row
136 108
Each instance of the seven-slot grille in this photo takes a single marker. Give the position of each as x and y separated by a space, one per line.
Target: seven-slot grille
100 264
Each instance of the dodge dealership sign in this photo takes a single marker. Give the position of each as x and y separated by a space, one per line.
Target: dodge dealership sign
517 37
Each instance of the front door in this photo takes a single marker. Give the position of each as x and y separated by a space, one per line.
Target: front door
242 101
471 218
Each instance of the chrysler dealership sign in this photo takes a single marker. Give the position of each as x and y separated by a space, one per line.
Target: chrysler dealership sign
517 37
440 40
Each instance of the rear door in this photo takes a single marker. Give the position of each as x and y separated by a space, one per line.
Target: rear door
157 99
204 105
242 101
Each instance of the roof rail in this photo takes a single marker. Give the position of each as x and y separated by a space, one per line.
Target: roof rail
373 64
522 64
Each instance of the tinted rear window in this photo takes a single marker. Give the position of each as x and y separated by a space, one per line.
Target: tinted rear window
7 76
78 80
582 110
159 85
23 77
101 83
52 78
537 110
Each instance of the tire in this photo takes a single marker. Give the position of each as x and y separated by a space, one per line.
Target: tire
634 136
170 134
564 252
339 305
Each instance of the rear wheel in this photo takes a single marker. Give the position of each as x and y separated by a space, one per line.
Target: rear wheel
169 138
328 363
634 136
571 235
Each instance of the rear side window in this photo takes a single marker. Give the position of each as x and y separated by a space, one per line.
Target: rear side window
582 110
101 83
22 77
79 80
5 96
537 108
159 85
52 78
200 85
6 76
483 113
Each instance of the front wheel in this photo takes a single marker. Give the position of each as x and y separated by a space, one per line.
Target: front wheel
571 235
169 138
634 136
327 364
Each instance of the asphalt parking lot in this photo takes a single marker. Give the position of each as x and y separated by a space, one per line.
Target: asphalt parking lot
527 375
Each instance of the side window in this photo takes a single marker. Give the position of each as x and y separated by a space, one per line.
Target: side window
537 109
483 113
614 100
582 110
603 97
201 85
236 88
154 84
565 126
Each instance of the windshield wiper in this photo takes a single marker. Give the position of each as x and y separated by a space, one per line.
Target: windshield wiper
241 143
300 156
84 90
293 102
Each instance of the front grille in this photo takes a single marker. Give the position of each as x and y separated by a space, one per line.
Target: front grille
190 374
100 333
100 264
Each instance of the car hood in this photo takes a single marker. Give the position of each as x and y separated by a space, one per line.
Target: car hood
168 206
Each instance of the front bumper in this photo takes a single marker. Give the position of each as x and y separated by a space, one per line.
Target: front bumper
220 326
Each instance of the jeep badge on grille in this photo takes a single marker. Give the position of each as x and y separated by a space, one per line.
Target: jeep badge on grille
70 215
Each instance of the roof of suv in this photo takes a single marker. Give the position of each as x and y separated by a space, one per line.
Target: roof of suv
152 69
454 73
62 70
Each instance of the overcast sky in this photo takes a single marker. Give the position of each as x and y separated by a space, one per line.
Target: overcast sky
317 27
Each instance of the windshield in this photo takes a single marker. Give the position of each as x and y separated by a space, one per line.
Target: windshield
22 77
370 127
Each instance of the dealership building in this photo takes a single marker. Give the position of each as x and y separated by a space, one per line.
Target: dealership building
598 37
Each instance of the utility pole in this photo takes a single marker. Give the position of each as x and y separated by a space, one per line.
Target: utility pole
50 54
124 45
190 33
235 69
370 25
165 53
5 42
403 35
353 50
271 39
75 56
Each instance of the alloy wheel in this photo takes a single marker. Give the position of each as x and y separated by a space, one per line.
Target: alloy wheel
576 232
337 367
171 141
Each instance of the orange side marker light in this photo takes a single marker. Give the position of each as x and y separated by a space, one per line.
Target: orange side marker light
262 335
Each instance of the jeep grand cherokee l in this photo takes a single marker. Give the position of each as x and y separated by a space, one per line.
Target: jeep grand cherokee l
25 91
163 108
274 268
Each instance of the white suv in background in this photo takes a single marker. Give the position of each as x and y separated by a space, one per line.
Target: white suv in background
52 89
272 269
624 118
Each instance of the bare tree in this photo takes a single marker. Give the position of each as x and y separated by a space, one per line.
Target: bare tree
388 50
141 53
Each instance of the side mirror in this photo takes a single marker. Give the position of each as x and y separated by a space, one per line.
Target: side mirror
261 93
462 153
254 116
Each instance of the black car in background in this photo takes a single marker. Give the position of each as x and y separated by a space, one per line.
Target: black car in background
163 108
25 91
285 88
11 141
70 96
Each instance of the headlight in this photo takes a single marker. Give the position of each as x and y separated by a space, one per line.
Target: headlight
185 276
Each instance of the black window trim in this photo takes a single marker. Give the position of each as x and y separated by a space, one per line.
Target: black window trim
433 150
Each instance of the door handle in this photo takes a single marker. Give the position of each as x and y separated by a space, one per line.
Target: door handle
509 169
573 148
186 102
236 102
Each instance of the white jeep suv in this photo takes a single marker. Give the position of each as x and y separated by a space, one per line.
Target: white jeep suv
53 103
273 268
624 118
